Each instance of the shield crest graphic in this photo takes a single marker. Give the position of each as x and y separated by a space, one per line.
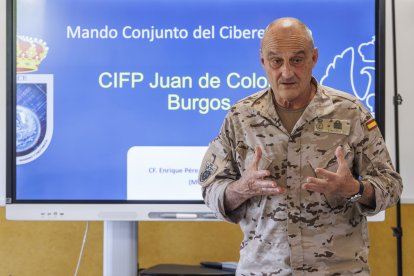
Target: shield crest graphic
34 115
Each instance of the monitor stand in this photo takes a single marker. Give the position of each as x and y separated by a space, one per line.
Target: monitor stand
120 248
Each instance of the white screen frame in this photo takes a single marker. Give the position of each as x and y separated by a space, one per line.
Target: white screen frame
106 211
109 212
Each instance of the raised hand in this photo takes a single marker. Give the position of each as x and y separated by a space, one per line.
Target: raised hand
252 183
341 182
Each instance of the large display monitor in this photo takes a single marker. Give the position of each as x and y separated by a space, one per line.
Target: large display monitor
111 103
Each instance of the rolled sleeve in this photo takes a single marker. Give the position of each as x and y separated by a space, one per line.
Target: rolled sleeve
218 169
215 201
376 168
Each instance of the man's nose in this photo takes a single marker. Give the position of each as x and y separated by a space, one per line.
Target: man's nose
286 70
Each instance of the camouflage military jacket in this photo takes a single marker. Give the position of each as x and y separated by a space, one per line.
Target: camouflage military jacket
300 232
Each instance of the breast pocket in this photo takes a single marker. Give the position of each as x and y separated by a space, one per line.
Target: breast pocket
245 156
325 158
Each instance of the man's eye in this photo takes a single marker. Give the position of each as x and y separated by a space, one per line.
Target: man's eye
296 60
276 61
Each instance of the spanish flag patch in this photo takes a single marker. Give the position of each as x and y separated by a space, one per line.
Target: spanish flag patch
371 124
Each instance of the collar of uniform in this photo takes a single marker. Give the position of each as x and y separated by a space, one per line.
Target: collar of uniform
263 105
320 105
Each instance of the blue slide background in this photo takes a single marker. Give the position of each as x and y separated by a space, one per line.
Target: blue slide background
94 127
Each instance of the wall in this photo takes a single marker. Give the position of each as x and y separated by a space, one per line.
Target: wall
405 61
52 248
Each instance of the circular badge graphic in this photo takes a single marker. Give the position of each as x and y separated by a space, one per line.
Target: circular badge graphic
27 128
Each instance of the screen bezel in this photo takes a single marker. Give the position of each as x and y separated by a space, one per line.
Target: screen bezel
37 207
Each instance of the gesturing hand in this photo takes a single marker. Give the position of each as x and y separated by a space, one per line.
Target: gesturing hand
341 183
251 183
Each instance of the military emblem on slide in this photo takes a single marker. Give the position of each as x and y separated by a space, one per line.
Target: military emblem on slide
28 129
34 99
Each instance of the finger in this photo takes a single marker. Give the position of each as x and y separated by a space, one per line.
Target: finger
339 153
274 191
268 187
265 184
317 181
258 185
260 174
314 187
257 157
325 174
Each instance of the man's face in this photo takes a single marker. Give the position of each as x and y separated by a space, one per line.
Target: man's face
288 58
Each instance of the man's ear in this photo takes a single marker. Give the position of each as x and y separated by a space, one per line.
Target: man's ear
315 56
262 58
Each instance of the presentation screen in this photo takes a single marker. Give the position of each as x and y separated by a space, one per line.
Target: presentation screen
115 101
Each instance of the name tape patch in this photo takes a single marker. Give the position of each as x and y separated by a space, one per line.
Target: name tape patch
333 126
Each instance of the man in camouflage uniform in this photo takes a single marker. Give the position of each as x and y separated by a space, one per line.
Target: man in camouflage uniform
299 166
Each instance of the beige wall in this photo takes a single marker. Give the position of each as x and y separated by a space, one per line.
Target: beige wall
52 248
